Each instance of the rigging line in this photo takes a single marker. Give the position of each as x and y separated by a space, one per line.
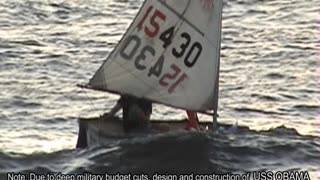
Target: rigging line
181 16
92 104
181 20
178 25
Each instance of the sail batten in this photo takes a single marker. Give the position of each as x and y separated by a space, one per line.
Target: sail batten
169 54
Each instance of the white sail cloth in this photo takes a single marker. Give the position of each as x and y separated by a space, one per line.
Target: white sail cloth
170 54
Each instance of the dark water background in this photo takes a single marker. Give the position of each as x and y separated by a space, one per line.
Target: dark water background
270 77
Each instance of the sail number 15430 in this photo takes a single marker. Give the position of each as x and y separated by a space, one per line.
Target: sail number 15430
152 29
152 23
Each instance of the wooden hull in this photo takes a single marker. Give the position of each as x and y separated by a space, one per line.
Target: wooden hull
97 131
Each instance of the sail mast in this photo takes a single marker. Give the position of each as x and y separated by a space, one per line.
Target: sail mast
216 99
216 84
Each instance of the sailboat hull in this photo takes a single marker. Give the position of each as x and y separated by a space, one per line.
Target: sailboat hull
99 131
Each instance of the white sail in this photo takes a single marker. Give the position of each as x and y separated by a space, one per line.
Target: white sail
170 54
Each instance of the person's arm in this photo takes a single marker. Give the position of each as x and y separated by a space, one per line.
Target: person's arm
113 111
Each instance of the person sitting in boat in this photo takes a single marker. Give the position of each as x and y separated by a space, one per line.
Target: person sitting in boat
136 113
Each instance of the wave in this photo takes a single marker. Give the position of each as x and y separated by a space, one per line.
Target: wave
177 153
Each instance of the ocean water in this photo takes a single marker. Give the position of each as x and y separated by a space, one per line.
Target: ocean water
270 85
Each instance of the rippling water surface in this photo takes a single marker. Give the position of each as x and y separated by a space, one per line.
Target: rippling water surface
269 78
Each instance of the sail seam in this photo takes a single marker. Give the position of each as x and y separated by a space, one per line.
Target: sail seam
181 16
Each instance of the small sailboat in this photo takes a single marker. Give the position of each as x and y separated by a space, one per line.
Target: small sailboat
169 55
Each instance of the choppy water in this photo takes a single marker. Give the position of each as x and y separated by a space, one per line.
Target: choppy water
269 78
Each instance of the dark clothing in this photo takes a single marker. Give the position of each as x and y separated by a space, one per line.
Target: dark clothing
133 111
